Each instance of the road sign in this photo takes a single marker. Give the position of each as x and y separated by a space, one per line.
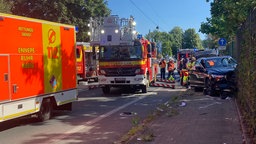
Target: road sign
76 28
222 42
222 47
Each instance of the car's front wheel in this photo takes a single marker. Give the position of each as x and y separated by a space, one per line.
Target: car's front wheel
208 90
197 89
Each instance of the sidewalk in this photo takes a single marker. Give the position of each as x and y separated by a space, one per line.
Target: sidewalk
195 119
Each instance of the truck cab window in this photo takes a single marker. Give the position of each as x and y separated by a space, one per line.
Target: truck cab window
78 54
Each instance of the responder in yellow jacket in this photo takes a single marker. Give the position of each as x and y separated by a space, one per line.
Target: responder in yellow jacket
190 66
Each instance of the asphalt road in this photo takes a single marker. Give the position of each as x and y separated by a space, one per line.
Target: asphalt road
97 118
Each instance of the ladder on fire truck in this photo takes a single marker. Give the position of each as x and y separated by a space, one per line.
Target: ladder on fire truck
124 26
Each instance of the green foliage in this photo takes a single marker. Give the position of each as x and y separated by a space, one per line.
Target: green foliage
176 36
191 39
227 16
5 6
74 12
246 70
135 121
175 40
210 42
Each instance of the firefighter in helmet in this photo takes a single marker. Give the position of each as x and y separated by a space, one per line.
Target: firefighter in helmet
171 68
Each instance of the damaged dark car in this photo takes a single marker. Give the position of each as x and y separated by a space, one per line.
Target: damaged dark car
214 75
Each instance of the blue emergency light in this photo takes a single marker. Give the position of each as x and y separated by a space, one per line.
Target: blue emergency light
139 36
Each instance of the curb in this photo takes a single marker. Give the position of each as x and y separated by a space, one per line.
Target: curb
244 136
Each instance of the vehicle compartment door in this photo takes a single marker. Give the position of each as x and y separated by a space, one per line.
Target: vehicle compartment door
4 78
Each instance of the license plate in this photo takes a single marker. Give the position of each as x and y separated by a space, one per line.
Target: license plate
119 79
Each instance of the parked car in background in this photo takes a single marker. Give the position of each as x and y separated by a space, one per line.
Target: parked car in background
215 75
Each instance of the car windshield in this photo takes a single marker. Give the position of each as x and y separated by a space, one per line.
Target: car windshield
220 62
120 52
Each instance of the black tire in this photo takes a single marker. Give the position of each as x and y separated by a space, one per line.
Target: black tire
45 112
132 90
106 89
208 89
223 95
205 92
197 89
144 89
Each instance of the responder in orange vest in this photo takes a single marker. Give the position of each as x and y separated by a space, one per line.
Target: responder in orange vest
162 65
171 69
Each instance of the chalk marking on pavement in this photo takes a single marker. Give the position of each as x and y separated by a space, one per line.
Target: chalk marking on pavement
209 105
201 99
88 124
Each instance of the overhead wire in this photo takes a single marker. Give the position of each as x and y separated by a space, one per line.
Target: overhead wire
144 14
155 12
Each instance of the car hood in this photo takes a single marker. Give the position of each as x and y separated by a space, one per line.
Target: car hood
220 71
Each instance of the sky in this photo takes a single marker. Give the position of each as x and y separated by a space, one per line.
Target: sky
166 14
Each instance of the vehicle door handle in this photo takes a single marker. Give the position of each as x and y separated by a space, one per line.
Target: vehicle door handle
6 77
15 88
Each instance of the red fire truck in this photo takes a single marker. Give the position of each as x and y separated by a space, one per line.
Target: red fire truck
87 62
125 59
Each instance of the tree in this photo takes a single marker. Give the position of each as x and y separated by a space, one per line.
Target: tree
210 42
191 39
173 40
166 44
98 8
164 39
226 17
5 6
74 12
176 36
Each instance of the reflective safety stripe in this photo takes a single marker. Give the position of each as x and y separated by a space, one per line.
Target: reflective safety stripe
121 63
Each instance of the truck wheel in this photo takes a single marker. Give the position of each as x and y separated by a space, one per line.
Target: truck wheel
45 112
106 90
